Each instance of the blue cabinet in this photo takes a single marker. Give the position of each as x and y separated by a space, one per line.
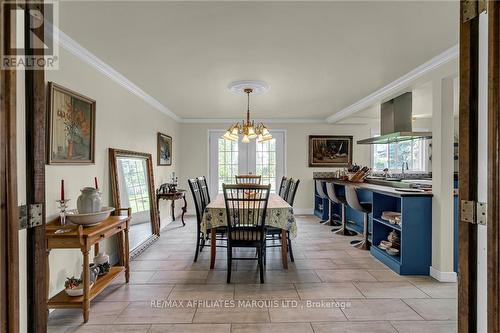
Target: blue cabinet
415 232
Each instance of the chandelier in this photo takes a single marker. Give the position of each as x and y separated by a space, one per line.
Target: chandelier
247 128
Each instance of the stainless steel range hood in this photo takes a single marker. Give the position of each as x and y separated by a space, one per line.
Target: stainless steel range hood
396 122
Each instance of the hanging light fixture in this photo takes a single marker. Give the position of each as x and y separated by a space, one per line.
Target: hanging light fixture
247 128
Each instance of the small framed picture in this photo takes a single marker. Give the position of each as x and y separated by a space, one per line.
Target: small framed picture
164 149
71 120
330 151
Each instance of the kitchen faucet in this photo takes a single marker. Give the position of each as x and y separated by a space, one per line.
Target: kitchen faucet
403 169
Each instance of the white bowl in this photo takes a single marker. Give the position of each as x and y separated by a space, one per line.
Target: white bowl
89 219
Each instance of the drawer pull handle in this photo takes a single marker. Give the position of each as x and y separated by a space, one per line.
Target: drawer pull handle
103 235
119 227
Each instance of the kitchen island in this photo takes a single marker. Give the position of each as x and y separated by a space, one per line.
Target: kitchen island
414 231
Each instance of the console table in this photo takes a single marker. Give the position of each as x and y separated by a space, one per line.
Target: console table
177 195
83 238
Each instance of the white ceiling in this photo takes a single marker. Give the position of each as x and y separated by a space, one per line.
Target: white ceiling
318 57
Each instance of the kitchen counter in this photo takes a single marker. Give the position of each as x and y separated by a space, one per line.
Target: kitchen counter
414 231
387 190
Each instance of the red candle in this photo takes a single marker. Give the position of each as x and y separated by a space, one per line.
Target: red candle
96 185
62 189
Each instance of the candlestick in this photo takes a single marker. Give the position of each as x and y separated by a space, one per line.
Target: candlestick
62 189
63 204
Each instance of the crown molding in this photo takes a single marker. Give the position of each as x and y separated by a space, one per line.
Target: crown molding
85 55
397 85
257 120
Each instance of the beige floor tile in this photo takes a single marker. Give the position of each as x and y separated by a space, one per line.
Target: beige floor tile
308 291
202 292
191 328
145 313
272 328
434 309
438 289
124 292
265 291
140 277
379 309
325 254
307 311
389 290
100 329
100 313
170 277
344 275
312 264
386 275
292 276
354 327
425 326
162 265
232 313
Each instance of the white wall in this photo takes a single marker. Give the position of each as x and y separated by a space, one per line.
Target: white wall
194 155
122 121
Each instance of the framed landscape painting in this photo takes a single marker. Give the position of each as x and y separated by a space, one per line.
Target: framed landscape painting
330 151
71 120
164 149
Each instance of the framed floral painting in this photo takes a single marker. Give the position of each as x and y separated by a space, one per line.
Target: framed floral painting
71 120
164 149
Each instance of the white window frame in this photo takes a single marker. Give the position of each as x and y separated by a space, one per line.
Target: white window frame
397 169
246 157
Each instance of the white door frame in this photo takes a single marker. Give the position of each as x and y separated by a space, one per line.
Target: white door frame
246 153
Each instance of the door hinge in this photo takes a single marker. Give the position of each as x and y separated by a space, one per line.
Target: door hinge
472 9
474 212
30 217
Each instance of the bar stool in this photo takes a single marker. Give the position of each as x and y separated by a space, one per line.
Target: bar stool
364 207
342 201
322 195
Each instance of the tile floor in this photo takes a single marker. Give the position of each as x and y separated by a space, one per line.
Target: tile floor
331 287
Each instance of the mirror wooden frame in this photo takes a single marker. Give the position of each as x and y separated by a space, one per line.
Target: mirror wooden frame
155 223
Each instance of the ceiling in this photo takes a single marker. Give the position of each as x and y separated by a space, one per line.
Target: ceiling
318 57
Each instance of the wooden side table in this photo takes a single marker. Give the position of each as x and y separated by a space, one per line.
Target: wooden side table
83 238
178 195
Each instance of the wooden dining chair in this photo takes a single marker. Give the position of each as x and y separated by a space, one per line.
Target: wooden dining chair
272 232
248 179
283 191
203 235
246 206
205 195
293 185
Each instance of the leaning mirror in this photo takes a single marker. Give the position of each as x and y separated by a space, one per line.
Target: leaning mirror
133 187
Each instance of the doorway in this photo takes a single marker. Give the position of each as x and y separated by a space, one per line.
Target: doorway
230 158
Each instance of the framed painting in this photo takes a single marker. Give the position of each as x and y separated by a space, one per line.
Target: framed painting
71 120
330 151
164 149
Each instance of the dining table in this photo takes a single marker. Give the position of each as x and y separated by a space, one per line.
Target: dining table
279 214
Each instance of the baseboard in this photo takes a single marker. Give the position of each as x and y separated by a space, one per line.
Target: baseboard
443 276
303 211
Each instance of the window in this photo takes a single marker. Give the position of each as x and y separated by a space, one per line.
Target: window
265 162
228 162
230 158
392 156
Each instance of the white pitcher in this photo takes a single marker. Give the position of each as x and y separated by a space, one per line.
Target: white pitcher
89 201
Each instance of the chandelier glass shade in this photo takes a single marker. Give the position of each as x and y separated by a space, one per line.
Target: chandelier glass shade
247 128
